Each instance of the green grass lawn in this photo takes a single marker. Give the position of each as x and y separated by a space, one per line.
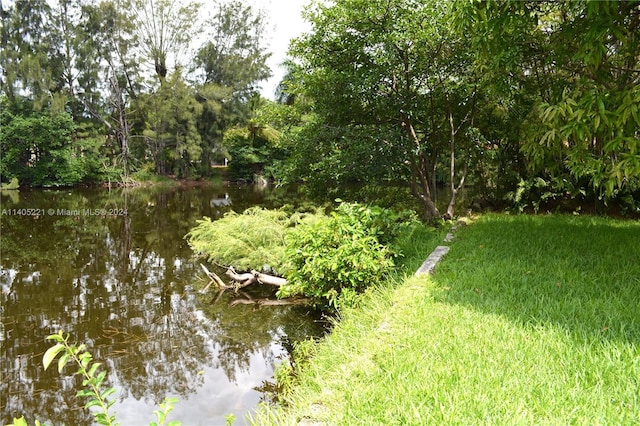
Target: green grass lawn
528 320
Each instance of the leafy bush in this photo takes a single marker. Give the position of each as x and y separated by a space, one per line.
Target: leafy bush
36 148
335 258
537 193
251 150
46 149
329 259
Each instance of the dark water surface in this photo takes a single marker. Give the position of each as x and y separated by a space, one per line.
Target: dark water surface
125 283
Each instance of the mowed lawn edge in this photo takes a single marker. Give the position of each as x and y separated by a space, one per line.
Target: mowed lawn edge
527 320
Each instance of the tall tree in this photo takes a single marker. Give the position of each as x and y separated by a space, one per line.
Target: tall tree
48 66
165 29
85 57
65 38
24 52
170 117
111 39
234 54
229 67
581 62
395 63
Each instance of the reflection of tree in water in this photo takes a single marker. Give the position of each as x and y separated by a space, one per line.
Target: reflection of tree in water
159 352
25 387
43 262
120 285
247 330
82 274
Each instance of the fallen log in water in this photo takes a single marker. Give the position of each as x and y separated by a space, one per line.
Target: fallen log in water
269 279
245 279
214 279
254 277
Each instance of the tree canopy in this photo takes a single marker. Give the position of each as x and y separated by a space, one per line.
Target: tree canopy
146 84
493 94
523 102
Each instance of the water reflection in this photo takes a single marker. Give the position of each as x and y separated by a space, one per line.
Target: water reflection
123 284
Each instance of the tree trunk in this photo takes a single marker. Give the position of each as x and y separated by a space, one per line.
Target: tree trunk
452 157
421 177
123 128
243 279
248 278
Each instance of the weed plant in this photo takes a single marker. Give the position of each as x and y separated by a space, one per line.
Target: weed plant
95 390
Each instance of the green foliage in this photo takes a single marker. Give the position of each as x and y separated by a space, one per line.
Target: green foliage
230 65
576 62
251 150
96 394
37 149
536 193
595 132
328 159
229 419
165 408
170 118
22 422
145 173
164 28
291 122
330 259
390 94
85 60
234 55
24 54
246 241
336 258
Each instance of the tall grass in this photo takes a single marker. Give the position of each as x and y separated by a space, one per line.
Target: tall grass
527 320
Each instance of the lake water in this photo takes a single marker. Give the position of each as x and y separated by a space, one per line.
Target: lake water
113 269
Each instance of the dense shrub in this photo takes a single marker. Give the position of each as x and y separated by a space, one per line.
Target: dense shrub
327 258
251 150
47 149
334 259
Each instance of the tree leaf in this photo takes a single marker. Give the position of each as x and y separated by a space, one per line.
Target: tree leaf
92 370
20 422
63 361
51 354
107 392
56 337
93 402
84 393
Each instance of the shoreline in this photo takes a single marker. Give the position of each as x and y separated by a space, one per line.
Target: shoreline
514 306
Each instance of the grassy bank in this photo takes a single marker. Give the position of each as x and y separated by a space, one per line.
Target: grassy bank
528 320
